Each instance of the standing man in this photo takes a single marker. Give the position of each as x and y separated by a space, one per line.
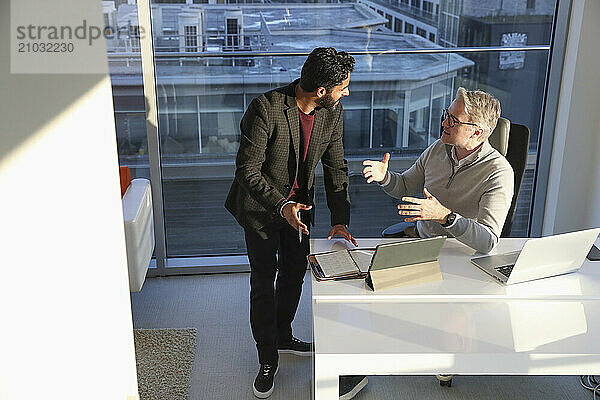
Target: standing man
284 133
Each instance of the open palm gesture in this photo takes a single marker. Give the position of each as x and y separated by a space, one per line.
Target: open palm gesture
376 170
427 209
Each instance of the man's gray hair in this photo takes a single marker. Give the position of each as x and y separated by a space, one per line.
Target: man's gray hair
482 108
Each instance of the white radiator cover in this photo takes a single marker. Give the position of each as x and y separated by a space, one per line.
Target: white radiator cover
139 230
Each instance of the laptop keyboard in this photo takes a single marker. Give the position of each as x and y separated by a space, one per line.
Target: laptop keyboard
505 269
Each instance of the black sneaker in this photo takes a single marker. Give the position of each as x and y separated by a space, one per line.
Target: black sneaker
263 384
350 385
296 347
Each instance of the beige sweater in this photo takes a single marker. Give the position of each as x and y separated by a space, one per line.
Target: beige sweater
479 192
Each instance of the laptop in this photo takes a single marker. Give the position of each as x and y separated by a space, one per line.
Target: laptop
540 257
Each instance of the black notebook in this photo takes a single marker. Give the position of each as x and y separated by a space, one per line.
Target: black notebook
341 264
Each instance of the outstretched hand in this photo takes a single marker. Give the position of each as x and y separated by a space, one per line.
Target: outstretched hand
343 232
376 170
427 209
290 213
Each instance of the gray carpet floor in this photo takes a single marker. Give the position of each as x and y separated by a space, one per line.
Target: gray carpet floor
225 362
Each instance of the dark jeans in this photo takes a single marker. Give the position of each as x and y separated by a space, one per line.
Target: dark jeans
273 307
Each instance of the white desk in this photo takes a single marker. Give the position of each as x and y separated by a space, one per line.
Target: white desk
465 324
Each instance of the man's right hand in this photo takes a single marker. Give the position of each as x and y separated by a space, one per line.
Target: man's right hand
376 170
290 213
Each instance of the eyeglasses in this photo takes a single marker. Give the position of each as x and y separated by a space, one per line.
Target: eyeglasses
452 120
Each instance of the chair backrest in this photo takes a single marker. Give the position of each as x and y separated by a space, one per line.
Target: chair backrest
516 155
500 136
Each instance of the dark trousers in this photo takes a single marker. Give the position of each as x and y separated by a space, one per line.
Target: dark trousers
273 303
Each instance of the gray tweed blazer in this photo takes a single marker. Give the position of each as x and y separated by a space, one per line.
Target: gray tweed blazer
268 158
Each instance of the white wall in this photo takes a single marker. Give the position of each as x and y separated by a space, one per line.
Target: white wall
65 314
573 196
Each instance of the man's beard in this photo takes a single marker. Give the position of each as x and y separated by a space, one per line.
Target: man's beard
326 101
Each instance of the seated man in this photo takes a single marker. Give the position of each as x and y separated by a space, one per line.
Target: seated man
468 185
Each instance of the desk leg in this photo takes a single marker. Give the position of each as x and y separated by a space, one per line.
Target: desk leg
326 380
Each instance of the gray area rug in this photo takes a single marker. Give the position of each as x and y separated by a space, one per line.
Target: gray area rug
164 359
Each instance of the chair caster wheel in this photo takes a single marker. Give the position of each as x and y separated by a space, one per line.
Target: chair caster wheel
446 383
445 380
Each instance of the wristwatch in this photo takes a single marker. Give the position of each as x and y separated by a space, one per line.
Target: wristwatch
449 219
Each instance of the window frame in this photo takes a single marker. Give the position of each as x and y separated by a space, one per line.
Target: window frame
190 265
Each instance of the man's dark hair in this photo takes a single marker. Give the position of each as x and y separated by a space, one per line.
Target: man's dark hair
325 67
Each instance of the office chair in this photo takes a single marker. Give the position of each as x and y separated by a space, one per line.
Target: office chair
499 139
501 135
516 155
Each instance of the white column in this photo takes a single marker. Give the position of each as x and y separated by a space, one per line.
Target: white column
572 195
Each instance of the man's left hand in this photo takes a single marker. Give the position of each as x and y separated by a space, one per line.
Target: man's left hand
427 209
343 232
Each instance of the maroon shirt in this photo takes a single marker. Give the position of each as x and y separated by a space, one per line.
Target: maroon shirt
306 125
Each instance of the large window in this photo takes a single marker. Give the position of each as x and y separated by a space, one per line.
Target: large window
211 61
